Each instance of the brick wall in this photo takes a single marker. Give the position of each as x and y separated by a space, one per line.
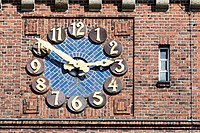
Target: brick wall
140 97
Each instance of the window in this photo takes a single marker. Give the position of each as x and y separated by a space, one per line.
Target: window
164 64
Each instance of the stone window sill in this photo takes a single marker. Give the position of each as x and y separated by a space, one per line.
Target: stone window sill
163 84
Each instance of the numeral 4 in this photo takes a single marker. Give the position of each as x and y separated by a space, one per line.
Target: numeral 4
113 85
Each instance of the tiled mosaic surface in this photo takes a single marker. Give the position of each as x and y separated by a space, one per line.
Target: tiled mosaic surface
63 81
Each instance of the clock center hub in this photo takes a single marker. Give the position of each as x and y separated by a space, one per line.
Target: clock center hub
76 72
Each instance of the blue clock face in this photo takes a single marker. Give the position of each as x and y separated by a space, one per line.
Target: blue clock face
65 82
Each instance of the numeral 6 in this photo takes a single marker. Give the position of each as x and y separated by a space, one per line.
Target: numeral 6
76 104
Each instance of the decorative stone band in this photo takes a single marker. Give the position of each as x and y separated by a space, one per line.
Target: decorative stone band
27 5
128 5
195 5
95 5
61 5
162 5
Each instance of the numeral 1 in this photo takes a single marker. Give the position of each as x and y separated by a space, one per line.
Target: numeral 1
98 34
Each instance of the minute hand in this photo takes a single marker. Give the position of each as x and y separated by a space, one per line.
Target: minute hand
57 51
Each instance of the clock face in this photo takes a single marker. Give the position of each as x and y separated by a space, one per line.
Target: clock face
69 82
77 70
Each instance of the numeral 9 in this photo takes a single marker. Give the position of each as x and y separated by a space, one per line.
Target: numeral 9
35 67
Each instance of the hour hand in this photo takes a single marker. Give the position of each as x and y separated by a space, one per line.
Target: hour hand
103 63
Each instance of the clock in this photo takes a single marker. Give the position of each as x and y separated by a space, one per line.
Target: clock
76 70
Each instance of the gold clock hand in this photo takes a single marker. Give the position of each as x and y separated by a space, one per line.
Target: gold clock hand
104 63
66 57
57 51
85 66
82 66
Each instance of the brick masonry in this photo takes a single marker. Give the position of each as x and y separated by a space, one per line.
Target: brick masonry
141 32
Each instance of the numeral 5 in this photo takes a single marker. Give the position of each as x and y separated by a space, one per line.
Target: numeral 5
97 99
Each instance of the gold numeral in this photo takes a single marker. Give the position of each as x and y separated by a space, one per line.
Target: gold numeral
56 97
76 103
113 44
96 95
78 25
98 34
40 84
35 65
122 67
59 34
41 48
113 85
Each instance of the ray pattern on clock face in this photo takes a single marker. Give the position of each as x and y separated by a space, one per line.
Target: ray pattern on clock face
61 80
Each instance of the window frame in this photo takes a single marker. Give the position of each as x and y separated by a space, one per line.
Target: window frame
168 64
